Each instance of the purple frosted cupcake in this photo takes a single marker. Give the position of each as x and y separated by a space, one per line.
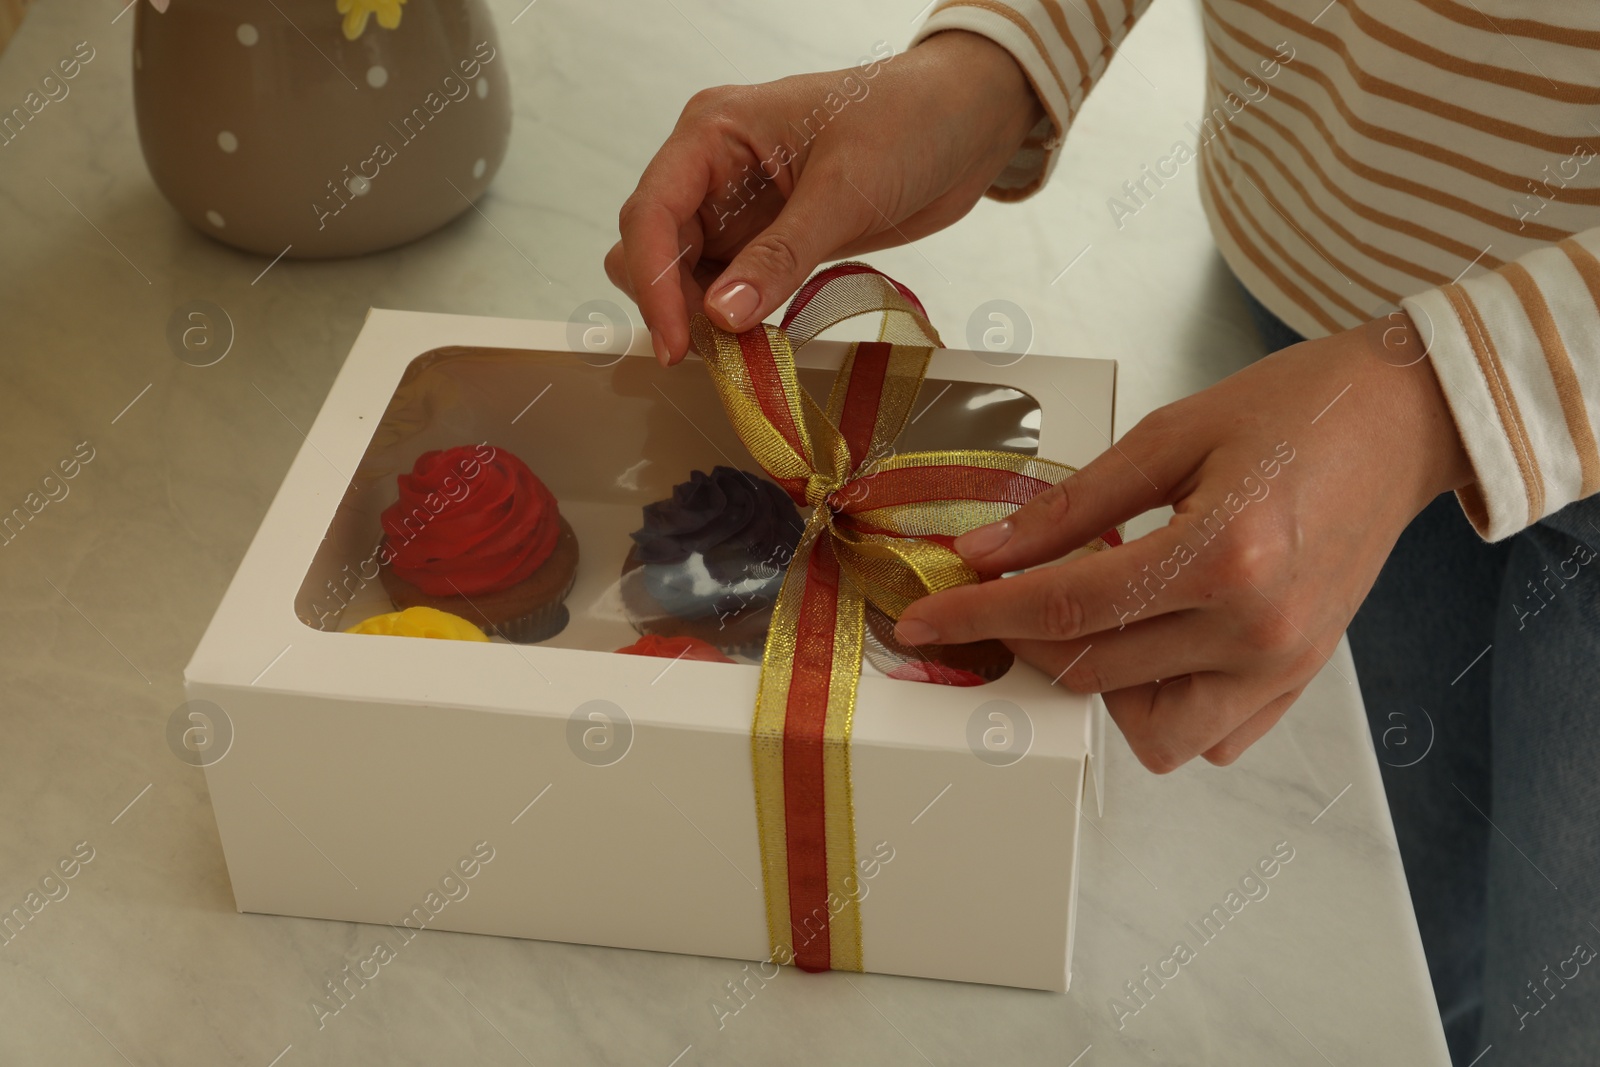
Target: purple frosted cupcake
710 559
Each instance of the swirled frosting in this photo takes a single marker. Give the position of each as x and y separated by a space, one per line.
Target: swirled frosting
719 544
736 520
472 519
420 621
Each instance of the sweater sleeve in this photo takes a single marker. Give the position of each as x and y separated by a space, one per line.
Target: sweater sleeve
1517 351
1062 45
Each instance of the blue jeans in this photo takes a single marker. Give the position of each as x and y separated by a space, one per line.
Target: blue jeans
1480 669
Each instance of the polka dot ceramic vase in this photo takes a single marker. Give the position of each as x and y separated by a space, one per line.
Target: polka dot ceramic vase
324 127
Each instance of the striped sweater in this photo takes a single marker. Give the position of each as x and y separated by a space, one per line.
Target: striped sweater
1360 156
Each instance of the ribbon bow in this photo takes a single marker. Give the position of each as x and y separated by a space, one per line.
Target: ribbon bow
880 533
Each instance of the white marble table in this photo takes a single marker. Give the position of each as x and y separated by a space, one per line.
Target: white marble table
107 591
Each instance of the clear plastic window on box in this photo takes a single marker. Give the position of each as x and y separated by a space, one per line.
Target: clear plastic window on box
610 442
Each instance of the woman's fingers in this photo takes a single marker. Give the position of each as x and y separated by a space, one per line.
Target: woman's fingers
1252 730
1167 646
617 269
1169 723
1103 591
661 239
691 285
1144 470
820 217
1194 710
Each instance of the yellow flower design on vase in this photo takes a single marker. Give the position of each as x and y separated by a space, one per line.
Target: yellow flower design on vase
356 13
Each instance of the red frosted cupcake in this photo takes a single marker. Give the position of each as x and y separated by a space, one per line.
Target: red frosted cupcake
675 648
477 534
970 664
936 673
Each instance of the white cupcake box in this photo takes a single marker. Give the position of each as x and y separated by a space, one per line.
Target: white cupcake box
563 792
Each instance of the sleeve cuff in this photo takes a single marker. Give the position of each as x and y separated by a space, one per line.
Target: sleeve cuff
1496 504
1515 353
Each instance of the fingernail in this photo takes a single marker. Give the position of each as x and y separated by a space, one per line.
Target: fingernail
985 539
662 355
737 304
915 632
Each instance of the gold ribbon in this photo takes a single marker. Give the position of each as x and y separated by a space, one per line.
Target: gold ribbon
879 533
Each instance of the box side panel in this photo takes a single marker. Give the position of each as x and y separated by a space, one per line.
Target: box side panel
367 812
981 882
1097 752
344 810
1077 858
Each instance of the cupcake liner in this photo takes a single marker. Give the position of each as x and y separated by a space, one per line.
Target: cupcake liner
541 624
534 627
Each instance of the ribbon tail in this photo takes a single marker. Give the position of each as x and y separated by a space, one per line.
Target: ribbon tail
801 760
882 529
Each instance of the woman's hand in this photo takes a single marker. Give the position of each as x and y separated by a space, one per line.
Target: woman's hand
758 185
1290 482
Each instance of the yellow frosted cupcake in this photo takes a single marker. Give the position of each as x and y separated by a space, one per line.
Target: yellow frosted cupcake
420 622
